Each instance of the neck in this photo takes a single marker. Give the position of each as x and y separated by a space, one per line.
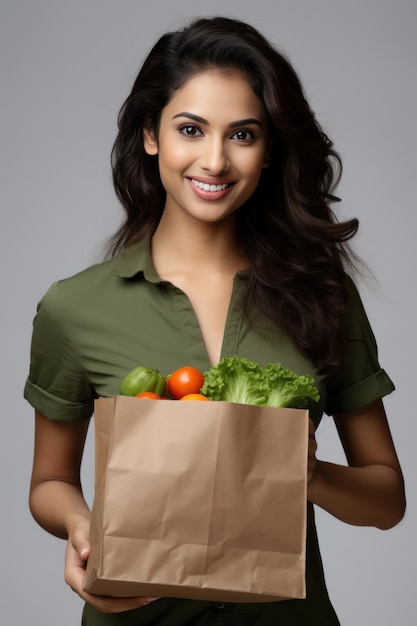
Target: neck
196 248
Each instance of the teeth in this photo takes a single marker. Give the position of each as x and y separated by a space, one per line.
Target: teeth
207 187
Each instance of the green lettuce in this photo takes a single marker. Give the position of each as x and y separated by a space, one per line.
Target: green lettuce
236 379
287 389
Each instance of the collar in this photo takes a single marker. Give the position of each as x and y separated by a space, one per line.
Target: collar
137 260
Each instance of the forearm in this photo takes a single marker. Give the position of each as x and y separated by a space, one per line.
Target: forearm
57 506
372 495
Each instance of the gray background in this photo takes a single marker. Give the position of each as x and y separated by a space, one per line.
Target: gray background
66 68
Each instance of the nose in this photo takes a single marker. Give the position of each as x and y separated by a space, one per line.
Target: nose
214 158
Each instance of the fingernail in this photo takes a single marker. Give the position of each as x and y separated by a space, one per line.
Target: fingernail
148 600
84 553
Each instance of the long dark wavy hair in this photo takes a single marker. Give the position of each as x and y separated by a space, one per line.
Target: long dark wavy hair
298 250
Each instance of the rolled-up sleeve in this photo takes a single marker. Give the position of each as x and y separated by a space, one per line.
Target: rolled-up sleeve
360 380
57 385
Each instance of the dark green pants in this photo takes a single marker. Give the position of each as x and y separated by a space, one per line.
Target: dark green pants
172 612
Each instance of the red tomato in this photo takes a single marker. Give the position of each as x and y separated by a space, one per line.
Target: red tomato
184 381
150 395
195 396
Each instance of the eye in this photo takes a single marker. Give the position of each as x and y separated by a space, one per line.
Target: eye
244 135
190 130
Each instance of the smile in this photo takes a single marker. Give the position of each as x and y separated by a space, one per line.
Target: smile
207 187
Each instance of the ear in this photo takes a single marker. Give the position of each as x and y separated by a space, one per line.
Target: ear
149 142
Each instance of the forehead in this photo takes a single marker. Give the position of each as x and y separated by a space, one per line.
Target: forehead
215 92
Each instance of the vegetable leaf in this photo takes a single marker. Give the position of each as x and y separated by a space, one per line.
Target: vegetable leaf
236 379
287 389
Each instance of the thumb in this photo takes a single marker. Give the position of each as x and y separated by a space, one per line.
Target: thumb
85 553
80 539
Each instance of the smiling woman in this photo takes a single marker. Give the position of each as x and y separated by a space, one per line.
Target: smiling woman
205 152
229 247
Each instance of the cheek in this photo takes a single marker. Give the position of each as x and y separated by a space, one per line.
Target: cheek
172 155
250 161
252 168
173 161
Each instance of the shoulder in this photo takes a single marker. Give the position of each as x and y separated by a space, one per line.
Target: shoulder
97 290
91 277
68 296
105 277
360 379
352 290
100 280
356 321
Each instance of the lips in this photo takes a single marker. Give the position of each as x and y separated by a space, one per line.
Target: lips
209 186
209 190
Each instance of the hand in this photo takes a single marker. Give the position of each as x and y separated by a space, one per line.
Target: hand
312 449
314 467
76 557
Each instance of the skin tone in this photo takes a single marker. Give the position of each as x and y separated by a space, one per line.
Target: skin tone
212 146
213 134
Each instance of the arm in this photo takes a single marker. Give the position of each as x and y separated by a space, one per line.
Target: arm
370 490
57 503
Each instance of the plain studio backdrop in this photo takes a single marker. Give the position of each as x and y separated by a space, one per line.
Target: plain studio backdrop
67 66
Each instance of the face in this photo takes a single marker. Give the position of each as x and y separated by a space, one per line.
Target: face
212 146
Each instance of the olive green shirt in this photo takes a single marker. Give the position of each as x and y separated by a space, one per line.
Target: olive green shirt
93 328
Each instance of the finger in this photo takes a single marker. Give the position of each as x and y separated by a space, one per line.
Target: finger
75 575
312 449
80 540
107 604
312 443
85 553
312 446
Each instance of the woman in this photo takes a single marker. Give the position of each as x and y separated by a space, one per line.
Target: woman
229 246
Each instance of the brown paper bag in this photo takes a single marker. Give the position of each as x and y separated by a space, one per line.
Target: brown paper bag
199 500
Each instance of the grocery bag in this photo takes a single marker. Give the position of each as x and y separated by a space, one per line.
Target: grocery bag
199 500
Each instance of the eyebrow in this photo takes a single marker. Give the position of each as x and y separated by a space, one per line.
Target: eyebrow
201 120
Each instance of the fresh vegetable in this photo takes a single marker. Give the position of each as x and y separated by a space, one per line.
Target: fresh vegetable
150 395
236 379
184 381
142 379
287 389
195 396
